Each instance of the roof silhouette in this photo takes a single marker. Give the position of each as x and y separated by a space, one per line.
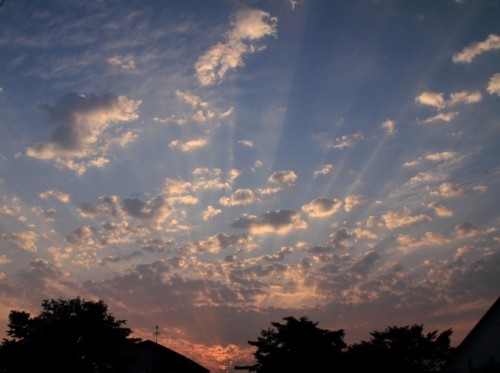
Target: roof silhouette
151 357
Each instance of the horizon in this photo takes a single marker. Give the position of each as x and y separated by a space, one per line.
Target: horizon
212 167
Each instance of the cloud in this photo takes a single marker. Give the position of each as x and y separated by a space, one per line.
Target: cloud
346 141
188 145
389 126
62 197
80 138
278 221
492 42
450 190
424 177
221 241
247 143
248 26
441 117
4 260
211 212
25 240
323 170
124 62
240 197
429 239
442 156
435 100
364 265
322 207
494 85
352 201
283 179
401 217
461 231
464 97
440 210
155 208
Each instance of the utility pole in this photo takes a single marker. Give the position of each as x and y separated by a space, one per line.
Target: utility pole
156 332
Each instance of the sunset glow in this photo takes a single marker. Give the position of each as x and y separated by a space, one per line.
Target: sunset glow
213 166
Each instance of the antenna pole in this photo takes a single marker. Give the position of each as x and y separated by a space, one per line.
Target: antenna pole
156 332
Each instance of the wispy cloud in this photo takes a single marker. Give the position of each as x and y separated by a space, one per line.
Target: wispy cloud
347 141
188 145
123 62
441 117
323 170
469 53
248 26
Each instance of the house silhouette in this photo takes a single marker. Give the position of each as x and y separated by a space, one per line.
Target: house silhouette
151 357
480 349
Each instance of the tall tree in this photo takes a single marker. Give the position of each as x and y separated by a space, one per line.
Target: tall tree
401 349
297 346
71 335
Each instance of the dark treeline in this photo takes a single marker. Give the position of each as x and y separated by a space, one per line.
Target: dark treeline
299 345
81 336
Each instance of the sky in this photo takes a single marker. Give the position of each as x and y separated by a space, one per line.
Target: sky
212 166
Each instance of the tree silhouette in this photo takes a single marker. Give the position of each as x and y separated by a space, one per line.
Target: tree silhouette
67 336
297 346
401 349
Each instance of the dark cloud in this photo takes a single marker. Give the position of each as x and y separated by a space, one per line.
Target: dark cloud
279 221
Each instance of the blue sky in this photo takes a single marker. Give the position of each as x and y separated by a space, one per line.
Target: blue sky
212 166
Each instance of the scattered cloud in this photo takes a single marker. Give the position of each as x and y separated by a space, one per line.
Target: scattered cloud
124 62
494 85
284 179
461 231
441 117
347 141
210 212
438 101
464 97
322 207
352 201
442 156
188 145
25 240
4 260
401 217
80 138
450 190
323 170
248 26
435 100
240 197
492 42
277 221
246 143
389 126
440 210
62 197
